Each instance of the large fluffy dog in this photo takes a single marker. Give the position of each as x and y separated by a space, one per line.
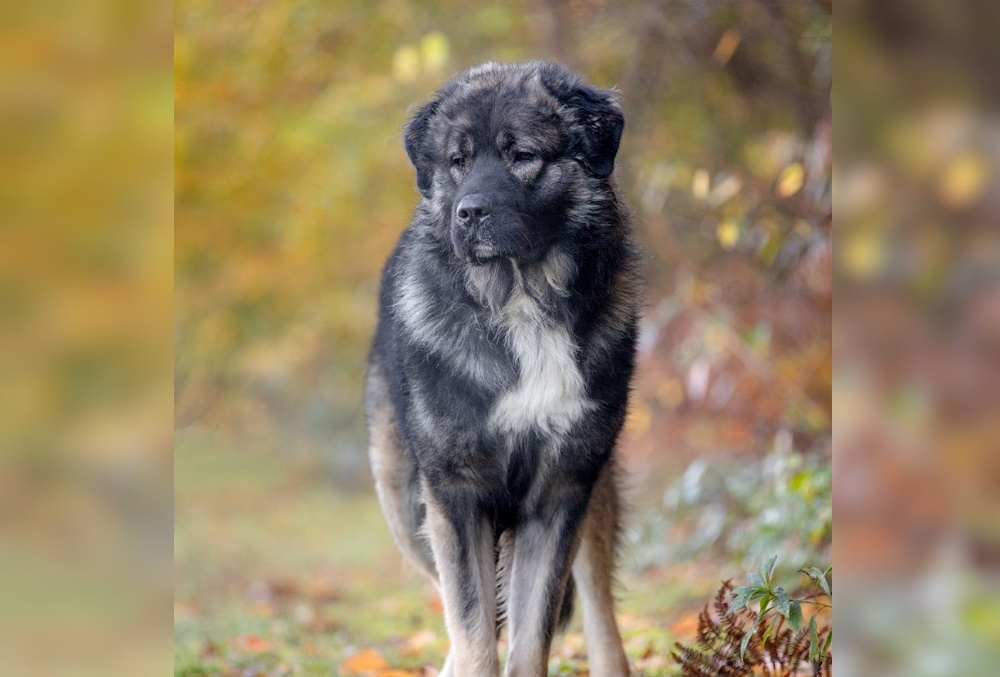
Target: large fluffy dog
499 376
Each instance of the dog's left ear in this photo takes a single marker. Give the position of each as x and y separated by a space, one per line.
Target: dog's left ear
602 121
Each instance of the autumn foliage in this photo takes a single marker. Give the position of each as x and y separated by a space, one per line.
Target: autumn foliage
772 651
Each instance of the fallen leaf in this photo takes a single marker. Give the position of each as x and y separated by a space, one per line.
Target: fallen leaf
283 587
687 626
418 641
252 644
367 660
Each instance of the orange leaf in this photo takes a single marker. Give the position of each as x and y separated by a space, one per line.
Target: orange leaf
364 661
687 626
396 673
253 644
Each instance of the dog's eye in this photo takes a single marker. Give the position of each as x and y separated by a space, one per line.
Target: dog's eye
524 156
458 161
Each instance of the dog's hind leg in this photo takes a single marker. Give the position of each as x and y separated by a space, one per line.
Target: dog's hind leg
461 538
396 482
593 572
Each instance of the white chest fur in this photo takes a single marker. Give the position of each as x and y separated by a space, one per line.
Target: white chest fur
550 392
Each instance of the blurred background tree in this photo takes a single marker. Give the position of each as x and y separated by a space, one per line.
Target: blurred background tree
292 186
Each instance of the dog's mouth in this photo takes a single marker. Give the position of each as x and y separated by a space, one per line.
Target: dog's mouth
485 251
481 254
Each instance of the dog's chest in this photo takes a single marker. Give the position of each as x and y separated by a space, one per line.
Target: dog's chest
550 393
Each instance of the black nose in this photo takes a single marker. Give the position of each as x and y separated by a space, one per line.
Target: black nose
472 208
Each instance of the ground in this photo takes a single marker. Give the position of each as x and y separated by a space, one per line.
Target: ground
280 572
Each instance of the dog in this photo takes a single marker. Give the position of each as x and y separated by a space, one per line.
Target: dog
498 379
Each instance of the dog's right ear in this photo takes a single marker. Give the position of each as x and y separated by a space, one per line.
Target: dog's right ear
415 141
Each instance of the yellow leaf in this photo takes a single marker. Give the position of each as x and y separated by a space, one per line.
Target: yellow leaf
406 63
728 233
434 50
862 253
367 660
963 179
791 179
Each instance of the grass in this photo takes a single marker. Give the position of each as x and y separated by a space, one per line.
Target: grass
277 572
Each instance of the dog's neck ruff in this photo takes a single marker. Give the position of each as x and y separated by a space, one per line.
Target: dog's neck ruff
550 394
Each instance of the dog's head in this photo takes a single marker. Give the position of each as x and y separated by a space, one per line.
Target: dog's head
506 153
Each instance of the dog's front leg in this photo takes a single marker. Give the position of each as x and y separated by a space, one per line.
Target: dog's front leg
461 539
545 542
